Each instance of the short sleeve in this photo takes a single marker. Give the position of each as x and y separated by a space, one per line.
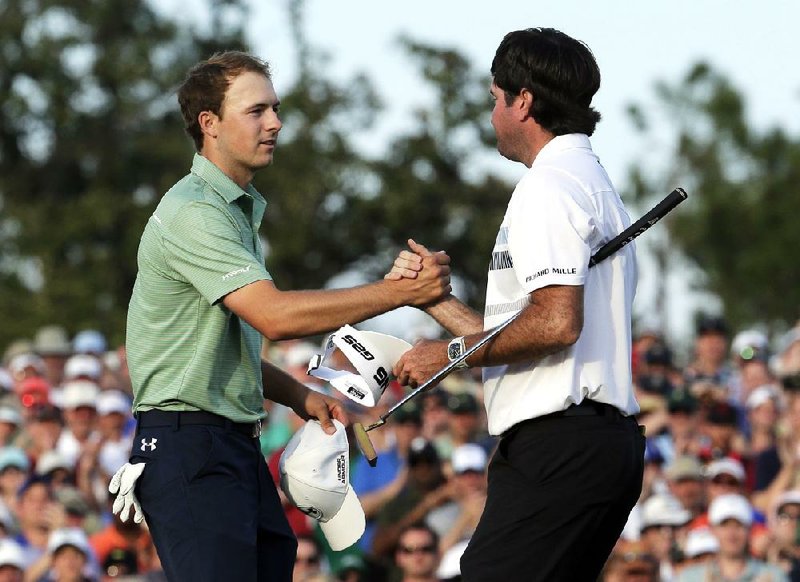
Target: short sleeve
547 235
205 246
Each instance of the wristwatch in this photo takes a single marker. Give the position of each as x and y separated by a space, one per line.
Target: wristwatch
456 349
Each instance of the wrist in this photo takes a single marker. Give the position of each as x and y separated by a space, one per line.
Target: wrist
455 350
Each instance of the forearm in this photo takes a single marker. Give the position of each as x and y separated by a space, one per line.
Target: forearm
281 387
455 316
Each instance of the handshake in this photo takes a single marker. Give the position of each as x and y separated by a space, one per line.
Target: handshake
122 484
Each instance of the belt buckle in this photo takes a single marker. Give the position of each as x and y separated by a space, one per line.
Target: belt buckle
256 429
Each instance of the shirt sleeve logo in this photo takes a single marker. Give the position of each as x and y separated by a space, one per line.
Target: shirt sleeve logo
227 276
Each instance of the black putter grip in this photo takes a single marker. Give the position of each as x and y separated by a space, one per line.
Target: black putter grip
655 214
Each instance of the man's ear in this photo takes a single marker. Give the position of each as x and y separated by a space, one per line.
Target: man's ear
209 123
523 104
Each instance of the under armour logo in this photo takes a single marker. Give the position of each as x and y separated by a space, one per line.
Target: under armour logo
151 445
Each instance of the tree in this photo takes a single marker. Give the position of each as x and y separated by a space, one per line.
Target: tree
88 90
739 224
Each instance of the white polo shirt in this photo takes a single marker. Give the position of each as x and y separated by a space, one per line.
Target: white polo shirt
563 209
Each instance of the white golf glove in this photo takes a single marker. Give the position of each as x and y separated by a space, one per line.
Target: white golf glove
123 483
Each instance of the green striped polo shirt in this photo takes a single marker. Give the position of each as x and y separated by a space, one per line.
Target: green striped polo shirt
185 349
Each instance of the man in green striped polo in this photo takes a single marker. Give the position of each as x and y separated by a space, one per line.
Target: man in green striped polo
202 301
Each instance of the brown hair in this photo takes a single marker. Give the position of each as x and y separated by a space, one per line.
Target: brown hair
206 83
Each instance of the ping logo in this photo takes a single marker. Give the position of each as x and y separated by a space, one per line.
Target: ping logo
151 446
359 347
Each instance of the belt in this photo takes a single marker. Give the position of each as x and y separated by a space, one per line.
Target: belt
586 408
175 418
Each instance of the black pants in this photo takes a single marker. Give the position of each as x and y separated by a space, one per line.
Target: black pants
210 503
560 491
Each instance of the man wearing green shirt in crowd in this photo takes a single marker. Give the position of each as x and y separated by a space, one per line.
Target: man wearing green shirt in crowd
202 301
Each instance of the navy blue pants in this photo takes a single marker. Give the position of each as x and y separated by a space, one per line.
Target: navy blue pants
211 505
560 491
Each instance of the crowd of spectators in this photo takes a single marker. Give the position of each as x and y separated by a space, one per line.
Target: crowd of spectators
721 496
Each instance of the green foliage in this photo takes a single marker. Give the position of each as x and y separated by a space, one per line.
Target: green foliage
739 225
88 90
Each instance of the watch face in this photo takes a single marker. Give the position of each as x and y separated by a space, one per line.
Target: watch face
453 351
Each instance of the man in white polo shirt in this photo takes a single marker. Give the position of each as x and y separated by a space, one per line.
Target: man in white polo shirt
568 468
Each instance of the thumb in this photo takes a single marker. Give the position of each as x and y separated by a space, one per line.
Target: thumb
421 250
324 418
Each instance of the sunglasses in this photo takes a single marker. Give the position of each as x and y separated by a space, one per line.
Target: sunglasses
427 549
725 480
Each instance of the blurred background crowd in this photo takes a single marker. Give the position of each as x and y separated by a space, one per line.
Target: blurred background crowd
721 496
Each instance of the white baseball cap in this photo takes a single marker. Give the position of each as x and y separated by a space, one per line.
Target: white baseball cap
468 457
730 506
109 401
83 365
11 554
726 466
68 536
79 393
52 460
700 541
314 470
372 354
663 509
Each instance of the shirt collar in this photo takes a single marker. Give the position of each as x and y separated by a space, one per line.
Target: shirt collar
561 143
222 184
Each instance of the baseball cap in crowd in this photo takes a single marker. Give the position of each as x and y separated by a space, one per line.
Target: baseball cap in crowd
73 501
421 450
89 341
700 542
371 353
17 347
730 506
13 457
111 401
10 415
791 497
52 460
314 475
726 466
723 414
468 457
68 536
764 394
462 403
663 509
12 554
52 340
33 391
83 366
750 344
684 467
27 362
77 393
681 400
712 324
409 412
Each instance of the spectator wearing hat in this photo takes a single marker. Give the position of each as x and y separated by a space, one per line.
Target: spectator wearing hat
630 560
352 568
41 431
10 422
12 561
309 561
784 549
710 361
377 486
468 480
425 490
679 434
32 393
26 365
663 522
51 343
14 466
69 558
730 518
79 405
113 426
686 482
89 341
38 514
465 424
721 433
726 476
750 358
764 407
701 546
56 468
416 555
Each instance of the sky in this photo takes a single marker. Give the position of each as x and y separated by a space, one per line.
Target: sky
635 44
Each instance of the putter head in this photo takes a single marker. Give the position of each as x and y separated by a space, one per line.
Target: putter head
364 444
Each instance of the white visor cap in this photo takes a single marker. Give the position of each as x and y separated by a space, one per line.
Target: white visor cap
371 353
315 476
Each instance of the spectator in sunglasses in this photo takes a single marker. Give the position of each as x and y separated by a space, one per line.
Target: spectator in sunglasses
417 554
